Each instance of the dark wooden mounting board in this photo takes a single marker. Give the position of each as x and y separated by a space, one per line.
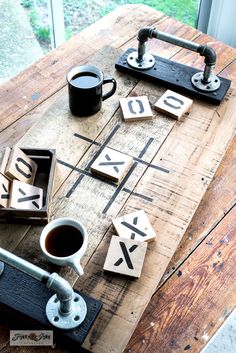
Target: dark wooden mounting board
175 76
23 294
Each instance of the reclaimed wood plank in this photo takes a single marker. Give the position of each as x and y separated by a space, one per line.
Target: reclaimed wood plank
218 200
52 109
196 121
174 202
230 72
81 179
93 282
13 133
197 297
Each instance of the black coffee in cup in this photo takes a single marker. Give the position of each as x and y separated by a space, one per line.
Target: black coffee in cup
63 241
85 85
85 80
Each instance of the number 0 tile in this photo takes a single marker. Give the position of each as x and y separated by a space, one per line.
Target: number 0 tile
173 104
20 166
136 108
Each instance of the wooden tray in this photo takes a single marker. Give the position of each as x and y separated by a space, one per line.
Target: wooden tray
46 161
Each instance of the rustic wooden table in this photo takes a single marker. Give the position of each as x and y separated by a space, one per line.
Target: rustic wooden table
188 284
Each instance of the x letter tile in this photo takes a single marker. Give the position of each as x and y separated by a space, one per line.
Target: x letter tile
4 191
111 164
134 225
125 256
25 196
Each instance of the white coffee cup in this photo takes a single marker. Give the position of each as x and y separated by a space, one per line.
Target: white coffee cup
64 241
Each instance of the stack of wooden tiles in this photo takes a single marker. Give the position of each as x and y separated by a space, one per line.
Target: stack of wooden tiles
17 174
127 251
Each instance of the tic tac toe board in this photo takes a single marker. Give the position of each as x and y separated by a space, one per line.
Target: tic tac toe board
173 164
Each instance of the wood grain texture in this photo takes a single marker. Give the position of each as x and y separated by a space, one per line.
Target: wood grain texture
175 163
29 111
219 198
48 74
55 113
174 206
195 302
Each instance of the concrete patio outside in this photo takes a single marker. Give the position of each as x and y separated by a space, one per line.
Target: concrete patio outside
18 46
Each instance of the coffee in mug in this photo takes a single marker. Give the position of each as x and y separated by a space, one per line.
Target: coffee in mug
85 85
64 241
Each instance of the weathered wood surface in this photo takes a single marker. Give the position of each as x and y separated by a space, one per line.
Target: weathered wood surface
187 310
218 200
47 75
190 150
22 118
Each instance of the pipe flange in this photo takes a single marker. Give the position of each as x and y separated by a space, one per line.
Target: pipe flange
1 267
211 86
70 320
147 61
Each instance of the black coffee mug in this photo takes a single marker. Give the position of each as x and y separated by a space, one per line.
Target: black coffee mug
85 90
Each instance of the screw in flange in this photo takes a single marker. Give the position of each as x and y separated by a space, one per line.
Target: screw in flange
147 61
69 320
211 86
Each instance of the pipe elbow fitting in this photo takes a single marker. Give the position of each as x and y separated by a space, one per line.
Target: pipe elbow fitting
60 286
209 53
145 33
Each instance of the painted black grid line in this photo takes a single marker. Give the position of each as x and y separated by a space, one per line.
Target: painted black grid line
102 146
111 183
120 187
116 193
78 181
137 194
141 154
82 137
154 166
85 173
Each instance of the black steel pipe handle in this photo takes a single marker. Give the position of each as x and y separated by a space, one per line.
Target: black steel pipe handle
65 309
204 81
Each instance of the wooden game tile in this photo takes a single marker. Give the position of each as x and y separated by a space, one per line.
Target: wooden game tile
136 108
135 226
25 196
111 164
21 167
125 256
4 191
4 159
173 104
